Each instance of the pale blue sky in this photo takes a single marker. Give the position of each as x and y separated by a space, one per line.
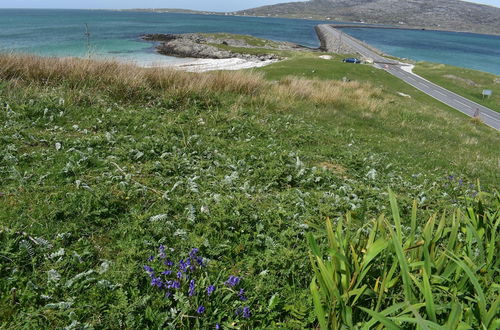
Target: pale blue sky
215 5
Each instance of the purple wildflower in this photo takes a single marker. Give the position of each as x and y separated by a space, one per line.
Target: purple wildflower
232 281
168 294
148 269
193 253
191 288
217 326
168 263
179 274
167 272
162 252
200 310
183 266
246 312
241 295
199 260
176 285
156 281
151 258
210 289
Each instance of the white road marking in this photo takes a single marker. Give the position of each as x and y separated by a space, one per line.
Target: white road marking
465 105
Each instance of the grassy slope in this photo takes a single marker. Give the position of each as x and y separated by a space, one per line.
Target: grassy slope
86 164
465 82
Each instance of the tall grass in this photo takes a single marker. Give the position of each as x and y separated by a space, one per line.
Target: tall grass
128 81
387 275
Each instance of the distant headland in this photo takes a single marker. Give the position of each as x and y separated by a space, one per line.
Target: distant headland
445 15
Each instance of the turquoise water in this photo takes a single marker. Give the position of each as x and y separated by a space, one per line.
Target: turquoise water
475 51
116 34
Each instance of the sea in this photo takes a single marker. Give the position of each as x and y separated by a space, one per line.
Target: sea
116 34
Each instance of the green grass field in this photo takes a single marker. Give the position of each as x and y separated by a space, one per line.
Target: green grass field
465 82
101 163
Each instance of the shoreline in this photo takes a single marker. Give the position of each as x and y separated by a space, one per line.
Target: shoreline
208 64
361 25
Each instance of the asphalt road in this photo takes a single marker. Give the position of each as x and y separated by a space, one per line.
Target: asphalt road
460 103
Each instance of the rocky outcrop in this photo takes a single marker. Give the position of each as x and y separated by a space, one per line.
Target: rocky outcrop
205 46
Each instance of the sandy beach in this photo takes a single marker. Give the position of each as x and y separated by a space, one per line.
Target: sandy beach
203 65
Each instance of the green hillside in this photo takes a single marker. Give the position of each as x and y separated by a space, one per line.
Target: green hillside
105 165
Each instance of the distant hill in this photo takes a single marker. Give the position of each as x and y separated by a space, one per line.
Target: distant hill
453 15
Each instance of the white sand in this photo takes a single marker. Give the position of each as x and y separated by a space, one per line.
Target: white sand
202 65
407 68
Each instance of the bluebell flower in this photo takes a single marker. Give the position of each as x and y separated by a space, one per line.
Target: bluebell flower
246 312
199 260
241 295
193 253
156 281
167 272
162 252
200 310
168 294
179 274
191 288
168 263
183 266
232 281
148 269
151 258
176 285
217 326
210 289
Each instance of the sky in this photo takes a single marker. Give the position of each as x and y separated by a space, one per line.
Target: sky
212 5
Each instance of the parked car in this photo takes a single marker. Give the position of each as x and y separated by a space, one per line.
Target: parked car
351 60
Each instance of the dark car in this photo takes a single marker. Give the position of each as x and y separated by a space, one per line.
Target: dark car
351 60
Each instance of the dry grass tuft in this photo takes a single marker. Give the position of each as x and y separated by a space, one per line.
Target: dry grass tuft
127 81
334 168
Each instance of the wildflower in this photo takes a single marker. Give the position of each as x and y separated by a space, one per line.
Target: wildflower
200 310
217 326
210 289
151 258
156 281
183 266
193 253
167 272
148 269
162 252
176 285
241 295
232 281
168 263
191 288
168 294
199 260
179 274
246 312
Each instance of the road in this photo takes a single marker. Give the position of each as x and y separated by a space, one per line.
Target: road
460 103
